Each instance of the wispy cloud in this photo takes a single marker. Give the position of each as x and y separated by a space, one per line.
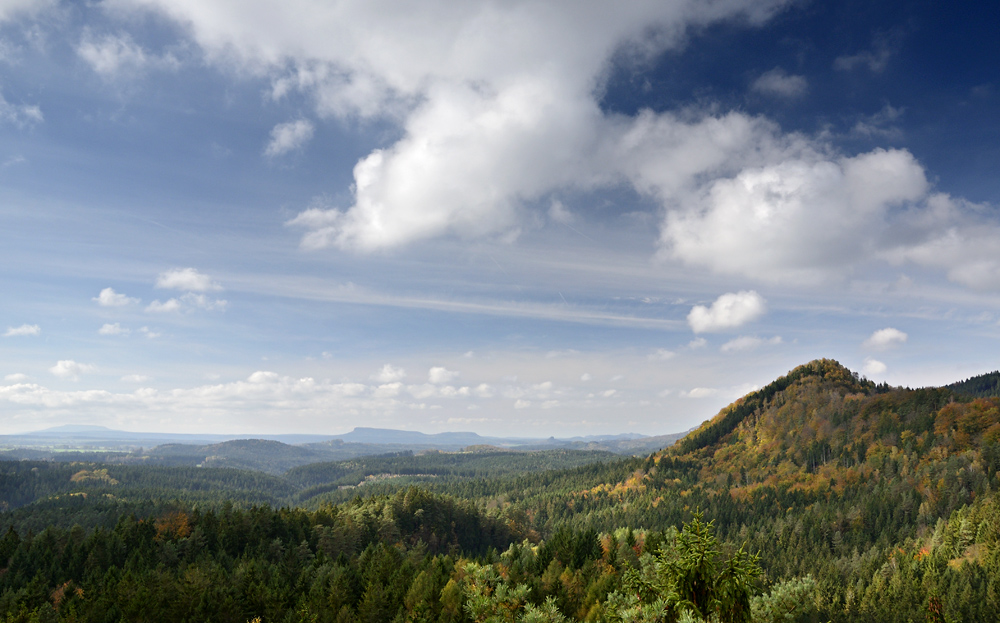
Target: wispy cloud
749 342
20 115
23 330
286 137
188 279
778 83
113 329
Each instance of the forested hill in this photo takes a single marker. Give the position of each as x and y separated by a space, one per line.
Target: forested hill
981 386
821 428
870 462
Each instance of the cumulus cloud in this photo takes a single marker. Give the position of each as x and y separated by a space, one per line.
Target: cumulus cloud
496 110
187 279
69 369
873 367
496 103
886 338
149 333
25 329
800 219
727 312
109 298
954 235
135 378
286 137
778 83
17 377
390 374
113 329
440 375
196 284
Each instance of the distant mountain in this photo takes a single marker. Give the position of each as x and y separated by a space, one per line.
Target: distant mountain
405 437
73 428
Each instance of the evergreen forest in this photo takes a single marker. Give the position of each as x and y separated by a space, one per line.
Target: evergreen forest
820 497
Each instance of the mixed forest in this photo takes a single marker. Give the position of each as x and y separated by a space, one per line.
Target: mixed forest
820 497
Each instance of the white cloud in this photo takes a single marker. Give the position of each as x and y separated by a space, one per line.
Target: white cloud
19 115
170 305
748 342
497 103
109 298
727 312
698 342
17 377
886 338
390 374
187 279
113 329
149 333
440 375
955 235
25 329
135 378
286 137
496 109
388 390
777 82
801 219
873 367
69 369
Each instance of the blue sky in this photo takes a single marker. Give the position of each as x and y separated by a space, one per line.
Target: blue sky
540 218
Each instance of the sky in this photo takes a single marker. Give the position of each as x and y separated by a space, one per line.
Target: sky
544 218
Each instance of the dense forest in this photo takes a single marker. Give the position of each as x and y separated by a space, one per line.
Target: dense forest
821 497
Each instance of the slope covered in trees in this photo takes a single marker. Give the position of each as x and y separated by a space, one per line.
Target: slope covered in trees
856 502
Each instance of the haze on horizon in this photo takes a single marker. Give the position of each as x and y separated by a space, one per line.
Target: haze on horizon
520 219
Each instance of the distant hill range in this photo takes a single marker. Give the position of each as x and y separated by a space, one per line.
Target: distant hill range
278 453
